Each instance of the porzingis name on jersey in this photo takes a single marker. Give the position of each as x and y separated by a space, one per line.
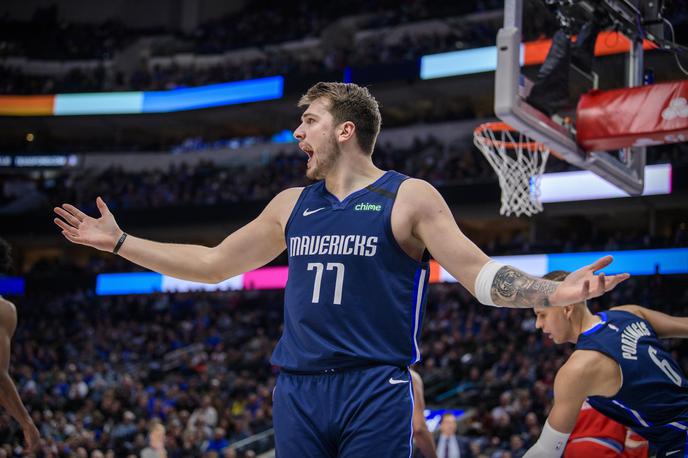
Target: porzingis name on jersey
629 339
349 245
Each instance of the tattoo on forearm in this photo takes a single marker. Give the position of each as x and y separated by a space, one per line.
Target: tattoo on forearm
513 288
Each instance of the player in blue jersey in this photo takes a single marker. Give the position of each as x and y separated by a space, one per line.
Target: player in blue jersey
358 276
621 369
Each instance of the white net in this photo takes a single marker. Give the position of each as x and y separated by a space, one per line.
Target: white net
519 163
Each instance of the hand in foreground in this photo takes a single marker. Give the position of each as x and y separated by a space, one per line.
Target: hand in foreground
77 227
32 438
583 284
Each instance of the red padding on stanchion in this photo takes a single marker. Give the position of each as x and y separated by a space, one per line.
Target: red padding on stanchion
641 116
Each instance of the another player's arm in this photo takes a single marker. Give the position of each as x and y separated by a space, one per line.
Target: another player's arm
666 326
434 224
421 434
9 397
252 246
572 385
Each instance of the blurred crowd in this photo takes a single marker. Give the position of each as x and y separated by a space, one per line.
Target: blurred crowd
207 183
443 164
372 51
47 35
259 25
198 363
96 371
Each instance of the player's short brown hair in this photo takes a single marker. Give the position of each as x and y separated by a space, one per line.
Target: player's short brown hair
560 275
350 102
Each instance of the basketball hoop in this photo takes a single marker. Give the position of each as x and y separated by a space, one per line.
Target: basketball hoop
519 163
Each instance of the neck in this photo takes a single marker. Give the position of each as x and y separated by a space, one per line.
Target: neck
585 321
351 172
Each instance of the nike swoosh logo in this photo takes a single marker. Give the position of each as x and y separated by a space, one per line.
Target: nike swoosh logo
671 453
396 382
307 212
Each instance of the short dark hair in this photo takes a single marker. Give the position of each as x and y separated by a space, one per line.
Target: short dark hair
5 256
557 275
350 102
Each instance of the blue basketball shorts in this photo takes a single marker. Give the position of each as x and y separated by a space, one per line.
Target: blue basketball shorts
346 414
674 446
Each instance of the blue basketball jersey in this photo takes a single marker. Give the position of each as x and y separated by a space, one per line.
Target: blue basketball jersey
653 399
353 297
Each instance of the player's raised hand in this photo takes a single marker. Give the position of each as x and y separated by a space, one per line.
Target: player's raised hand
584 284
77 227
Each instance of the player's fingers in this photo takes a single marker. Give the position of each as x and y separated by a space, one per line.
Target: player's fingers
586 289
75 211
615 280
600 263
601 282
71 219
65 227
102 207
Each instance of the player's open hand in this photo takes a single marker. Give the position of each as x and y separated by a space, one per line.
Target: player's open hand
77 227
584 284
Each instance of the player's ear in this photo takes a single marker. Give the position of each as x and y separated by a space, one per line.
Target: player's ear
346 130
568 311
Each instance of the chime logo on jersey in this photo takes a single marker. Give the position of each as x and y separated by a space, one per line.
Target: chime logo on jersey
368 207
350 245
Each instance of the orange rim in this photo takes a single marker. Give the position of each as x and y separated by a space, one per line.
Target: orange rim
496 126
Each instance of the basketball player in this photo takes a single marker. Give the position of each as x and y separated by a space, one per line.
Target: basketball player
620 367
422 437
358 277
9 398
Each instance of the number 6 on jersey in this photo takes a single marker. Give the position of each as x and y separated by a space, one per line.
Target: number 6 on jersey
339 282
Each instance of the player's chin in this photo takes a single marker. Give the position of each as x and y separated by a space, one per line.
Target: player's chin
312 173
557 340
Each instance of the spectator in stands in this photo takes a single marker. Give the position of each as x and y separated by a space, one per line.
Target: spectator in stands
205 417
218 443
156 441
449 444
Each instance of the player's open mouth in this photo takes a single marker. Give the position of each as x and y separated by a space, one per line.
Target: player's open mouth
307 149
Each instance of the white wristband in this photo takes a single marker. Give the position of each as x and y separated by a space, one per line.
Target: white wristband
483 283
550 444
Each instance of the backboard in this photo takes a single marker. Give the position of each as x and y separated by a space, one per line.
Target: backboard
512 87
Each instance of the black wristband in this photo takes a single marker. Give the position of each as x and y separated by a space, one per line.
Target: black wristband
119 243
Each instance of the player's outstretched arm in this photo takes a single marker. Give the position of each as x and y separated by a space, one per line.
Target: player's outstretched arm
252 246
9 397
666 326
490 282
